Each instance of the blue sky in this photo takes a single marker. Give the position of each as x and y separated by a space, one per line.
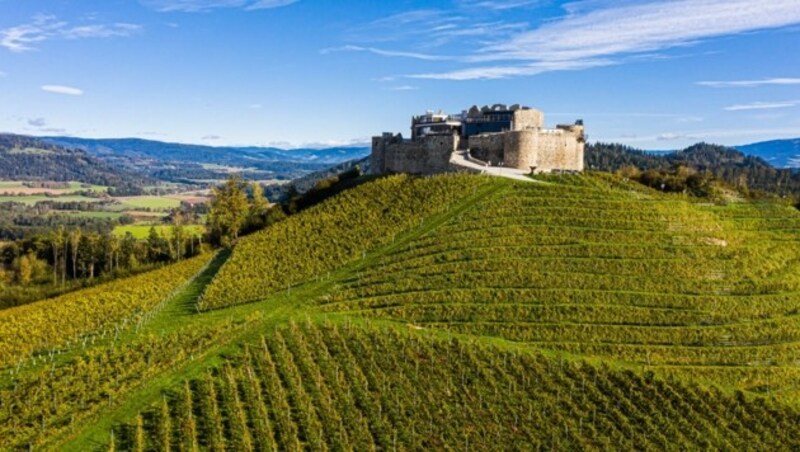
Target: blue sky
650 73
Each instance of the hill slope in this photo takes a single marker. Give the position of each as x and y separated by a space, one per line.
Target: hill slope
27 158
730 165
577 312
176 161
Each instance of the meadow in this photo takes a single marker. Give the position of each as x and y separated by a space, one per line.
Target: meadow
141 231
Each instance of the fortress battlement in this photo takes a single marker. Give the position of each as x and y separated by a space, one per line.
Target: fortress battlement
513 137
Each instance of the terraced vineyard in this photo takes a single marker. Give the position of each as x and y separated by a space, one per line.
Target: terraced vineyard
585 266
576 312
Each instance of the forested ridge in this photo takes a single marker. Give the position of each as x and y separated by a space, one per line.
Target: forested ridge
744 172
27 158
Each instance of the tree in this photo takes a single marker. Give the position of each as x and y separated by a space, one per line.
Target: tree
75 244
229 210
25 269
157 246
57 240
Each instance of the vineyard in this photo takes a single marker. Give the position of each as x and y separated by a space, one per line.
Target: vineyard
449 312
588 266
339 387
332 233
72 319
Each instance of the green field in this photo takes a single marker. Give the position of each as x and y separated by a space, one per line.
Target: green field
443 313
88 214
148 202
141 231
71 188
33 199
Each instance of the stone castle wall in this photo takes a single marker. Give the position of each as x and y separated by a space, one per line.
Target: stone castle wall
527 119
559 151
427 155
488 147
527 145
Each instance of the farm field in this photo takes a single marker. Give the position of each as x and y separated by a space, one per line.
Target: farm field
141 231
160 203
33 199
448 312
19 188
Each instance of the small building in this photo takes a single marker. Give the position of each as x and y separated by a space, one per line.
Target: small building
513 137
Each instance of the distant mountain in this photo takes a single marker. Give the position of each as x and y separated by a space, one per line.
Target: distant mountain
29 158
725 163
779 153
189 162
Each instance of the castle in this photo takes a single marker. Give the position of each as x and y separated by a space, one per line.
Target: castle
499 136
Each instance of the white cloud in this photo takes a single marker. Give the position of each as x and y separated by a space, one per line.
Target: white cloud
592 33
255 106
750 83
25 37
61 89
269 4
763 105
196 6
403 88
643 27
389 53
499 72
496 5
671 137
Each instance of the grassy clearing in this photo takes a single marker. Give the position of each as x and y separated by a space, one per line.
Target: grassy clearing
88 214
19 188
148 202
141 231
33 199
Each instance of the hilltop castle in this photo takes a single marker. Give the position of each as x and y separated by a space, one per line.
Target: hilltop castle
501 136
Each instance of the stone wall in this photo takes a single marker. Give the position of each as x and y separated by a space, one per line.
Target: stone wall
559 150
427 155
527 119
521 149
487 147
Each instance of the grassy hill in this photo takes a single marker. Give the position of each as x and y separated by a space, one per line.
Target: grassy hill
573 312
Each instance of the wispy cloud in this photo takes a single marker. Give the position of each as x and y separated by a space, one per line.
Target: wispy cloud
37 122
388 53
269 4
506 71
763 105
591 33
61 89
403 88
197 6
497 5
750 83
25 37
40 125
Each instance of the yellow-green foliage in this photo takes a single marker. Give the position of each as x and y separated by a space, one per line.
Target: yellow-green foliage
331 234
593 266
43 404
55 322
353 388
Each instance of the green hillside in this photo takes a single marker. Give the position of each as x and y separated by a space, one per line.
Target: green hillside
449 312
